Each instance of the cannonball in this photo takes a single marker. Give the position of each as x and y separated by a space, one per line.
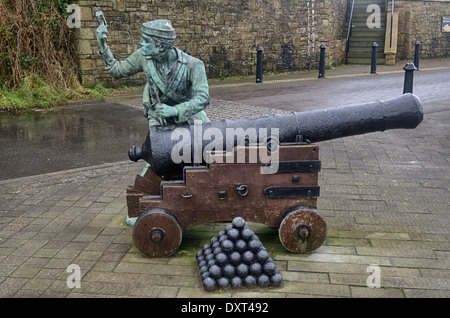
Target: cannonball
233 234
211 263
215 271
214 240
199 253
221 233
263 280
207 251
255 269
217 250
221 259
238 223
223 282
223 238
248 257
228 227
240 246
215 245
262 256
209 257
200 259
235 258
247 234
209 284
269 268
206 246
228 271
242 270
202 263
236 282
254 245
203 269
205 275
227 246
276 279
250 281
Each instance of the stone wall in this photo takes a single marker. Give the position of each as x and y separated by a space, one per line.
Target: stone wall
224 34
421 20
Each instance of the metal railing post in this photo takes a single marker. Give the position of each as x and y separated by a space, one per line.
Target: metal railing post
409 76
417 54
373 66
259 65
322 61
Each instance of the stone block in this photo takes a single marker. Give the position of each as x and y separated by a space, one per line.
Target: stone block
390 59
85 47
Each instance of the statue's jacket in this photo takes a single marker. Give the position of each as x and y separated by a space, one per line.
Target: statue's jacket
184 87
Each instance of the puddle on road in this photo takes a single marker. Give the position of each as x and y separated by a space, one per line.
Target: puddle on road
67 137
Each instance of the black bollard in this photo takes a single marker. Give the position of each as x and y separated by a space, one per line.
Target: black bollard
322 61
417 54
259 65
373 66
409 75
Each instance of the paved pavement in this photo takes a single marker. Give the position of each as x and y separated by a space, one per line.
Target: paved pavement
385 198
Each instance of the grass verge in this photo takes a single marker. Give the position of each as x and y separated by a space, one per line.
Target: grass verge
34 93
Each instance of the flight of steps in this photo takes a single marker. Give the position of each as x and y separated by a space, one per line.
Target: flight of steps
362 37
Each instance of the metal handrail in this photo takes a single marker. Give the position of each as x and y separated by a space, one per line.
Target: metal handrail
349 32
392 21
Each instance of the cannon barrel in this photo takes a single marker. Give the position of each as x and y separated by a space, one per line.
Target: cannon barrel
404 112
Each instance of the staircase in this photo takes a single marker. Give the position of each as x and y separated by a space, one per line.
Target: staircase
362 37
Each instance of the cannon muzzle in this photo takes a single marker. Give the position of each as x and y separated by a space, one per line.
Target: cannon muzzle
163 143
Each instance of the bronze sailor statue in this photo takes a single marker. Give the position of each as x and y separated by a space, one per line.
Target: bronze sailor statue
176 92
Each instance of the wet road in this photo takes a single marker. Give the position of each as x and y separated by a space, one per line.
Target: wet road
96 133
67 137
431 86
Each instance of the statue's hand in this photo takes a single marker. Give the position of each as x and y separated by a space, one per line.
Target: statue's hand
102 34
165 111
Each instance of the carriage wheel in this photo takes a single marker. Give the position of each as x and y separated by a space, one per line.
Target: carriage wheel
302 229
157 233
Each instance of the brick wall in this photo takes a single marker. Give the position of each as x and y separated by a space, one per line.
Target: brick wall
224 34
422 21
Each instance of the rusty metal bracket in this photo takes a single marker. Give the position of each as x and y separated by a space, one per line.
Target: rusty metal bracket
306 166
292 192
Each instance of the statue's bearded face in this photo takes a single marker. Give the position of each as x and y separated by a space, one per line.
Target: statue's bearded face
149 47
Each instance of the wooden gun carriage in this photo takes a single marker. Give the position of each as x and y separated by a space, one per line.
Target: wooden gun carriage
170 198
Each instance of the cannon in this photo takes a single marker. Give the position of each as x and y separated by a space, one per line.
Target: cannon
263 168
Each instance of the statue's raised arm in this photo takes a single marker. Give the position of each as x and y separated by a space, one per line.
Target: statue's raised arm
102 31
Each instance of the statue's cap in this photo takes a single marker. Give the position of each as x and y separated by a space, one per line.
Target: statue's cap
159 28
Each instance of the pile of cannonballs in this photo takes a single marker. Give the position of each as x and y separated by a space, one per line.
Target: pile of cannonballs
237 258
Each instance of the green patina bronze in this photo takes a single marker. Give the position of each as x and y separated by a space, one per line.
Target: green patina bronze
176 91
